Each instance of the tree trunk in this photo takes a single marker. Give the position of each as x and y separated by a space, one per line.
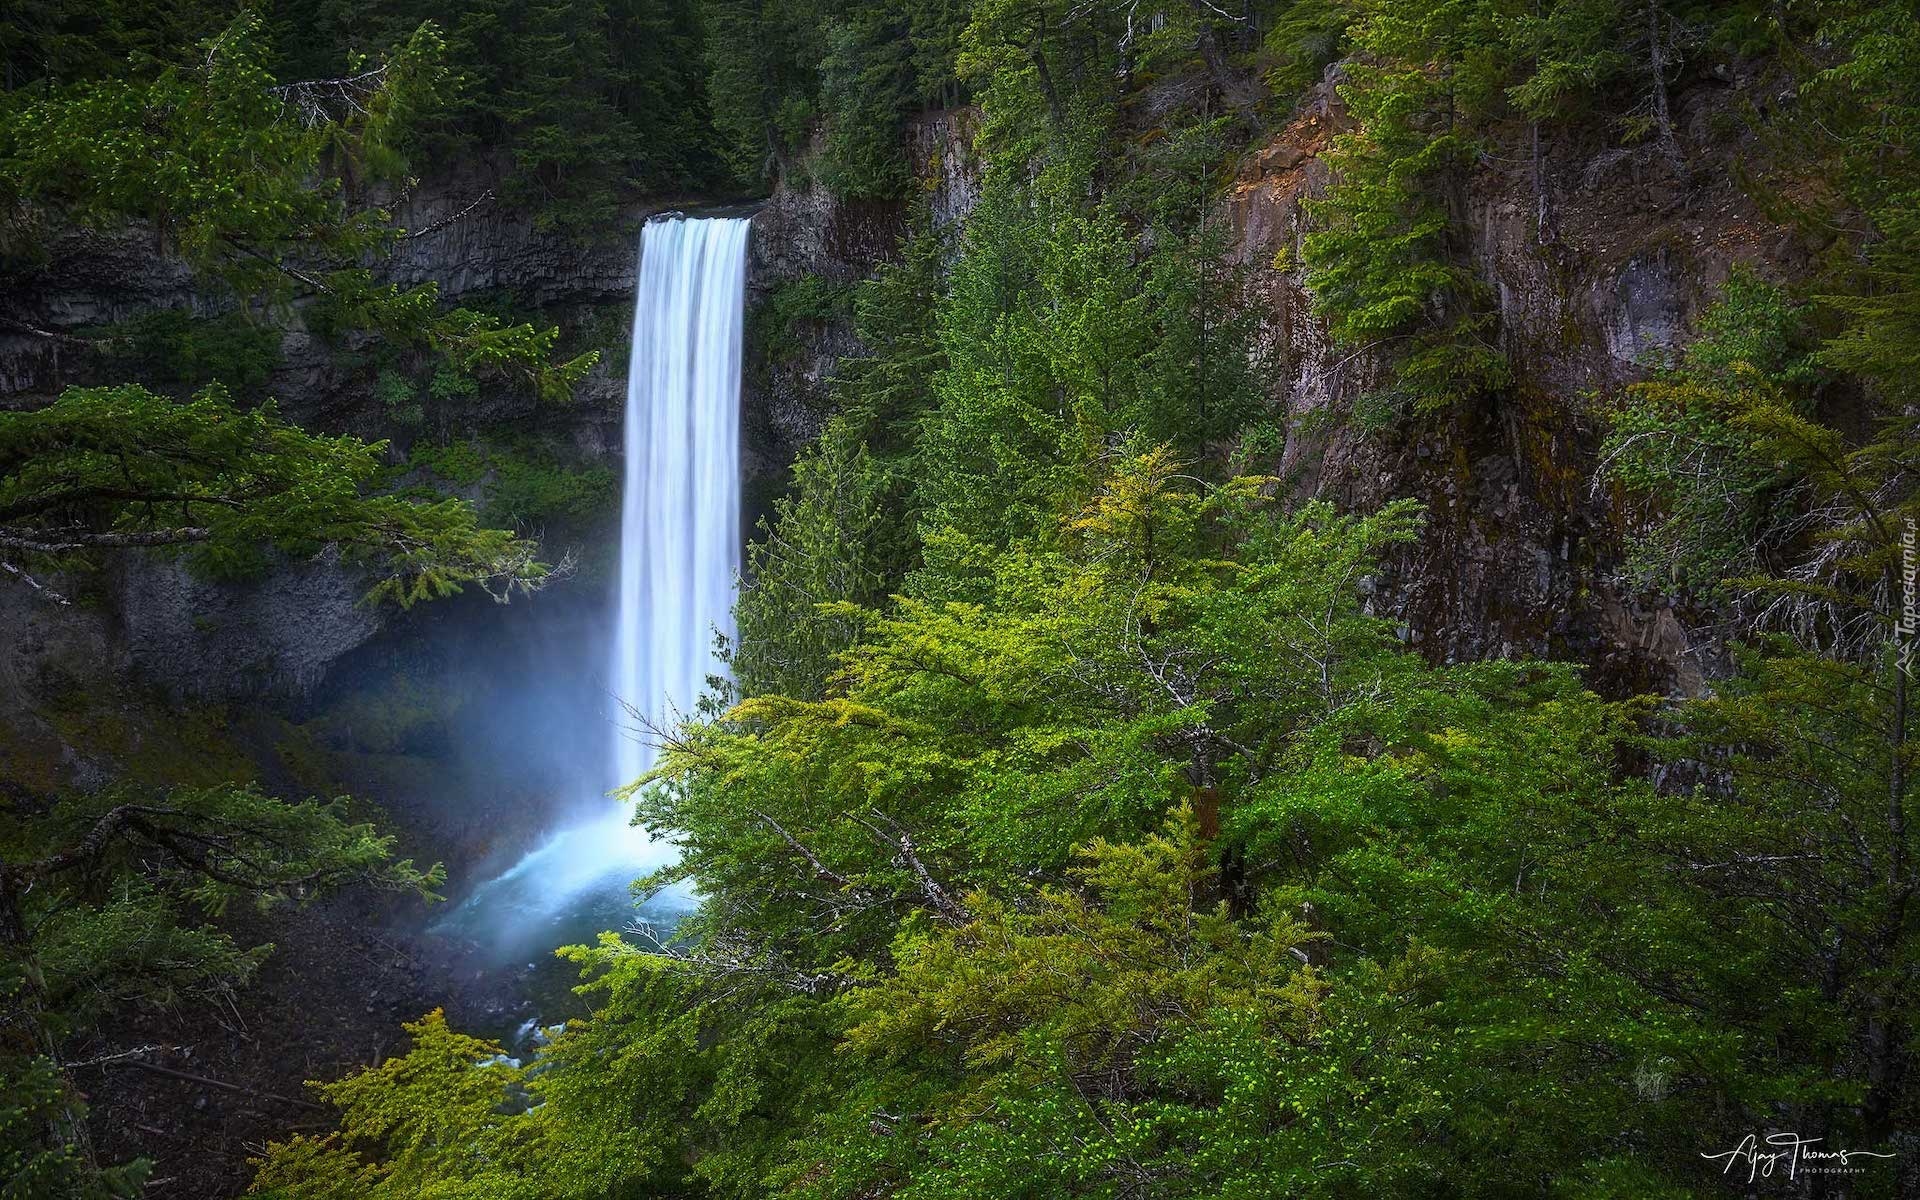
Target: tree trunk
1662 111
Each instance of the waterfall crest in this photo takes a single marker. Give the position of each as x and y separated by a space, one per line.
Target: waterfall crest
679 555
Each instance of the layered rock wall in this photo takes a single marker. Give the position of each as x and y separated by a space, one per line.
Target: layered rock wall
1598 263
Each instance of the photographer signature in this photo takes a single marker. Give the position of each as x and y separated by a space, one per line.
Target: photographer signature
1785 1150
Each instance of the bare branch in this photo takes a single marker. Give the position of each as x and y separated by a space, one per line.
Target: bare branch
317 102
436 226
943 904
33 583
48 335
819 868
61 541
105 1060
205 1081
734 961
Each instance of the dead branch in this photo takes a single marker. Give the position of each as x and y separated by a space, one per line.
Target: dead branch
35 584
436 226
205 1081
67 540
733 961
943 904
107 1060
318 102
819 868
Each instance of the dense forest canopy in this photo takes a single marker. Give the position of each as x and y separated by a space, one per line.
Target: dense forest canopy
1076 821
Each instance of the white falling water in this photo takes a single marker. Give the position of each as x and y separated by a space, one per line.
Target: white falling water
680 517
679 549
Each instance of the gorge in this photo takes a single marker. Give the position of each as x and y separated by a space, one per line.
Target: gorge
1281 599
679 558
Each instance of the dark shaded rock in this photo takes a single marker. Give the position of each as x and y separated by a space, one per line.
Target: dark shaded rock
1596 275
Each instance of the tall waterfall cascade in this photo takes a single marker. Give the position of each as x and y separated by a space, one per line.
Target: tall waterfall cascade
679 556
680 516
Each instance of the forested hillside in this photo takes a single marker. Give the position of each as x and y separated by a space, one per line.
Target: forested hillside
1149 766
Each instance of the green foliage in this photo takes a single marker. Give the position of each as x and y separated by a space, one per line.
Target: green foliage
463 463
761 59
1061 344
777 326
581 103
999 759
530 490
594 98
256 184
98 895
1797 865
601 1112
1696 443
522 486
866 81
947 801
36 1099
469 344
1129 973
48 43
832 539
1622 57
448 383
1386 267
173 347
112 468
400 398
94 947
437 1110
1863 109
1407 930
1303 39
1577 48
1751 490
843 532
857 69
219 161
1433 90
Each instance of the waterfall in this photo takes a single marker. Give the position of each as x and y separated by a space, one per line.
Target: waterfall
679 554
680 516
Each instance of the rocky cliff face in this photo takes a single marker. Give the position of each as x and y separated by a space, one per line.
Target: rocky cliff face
1599 260
806 236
